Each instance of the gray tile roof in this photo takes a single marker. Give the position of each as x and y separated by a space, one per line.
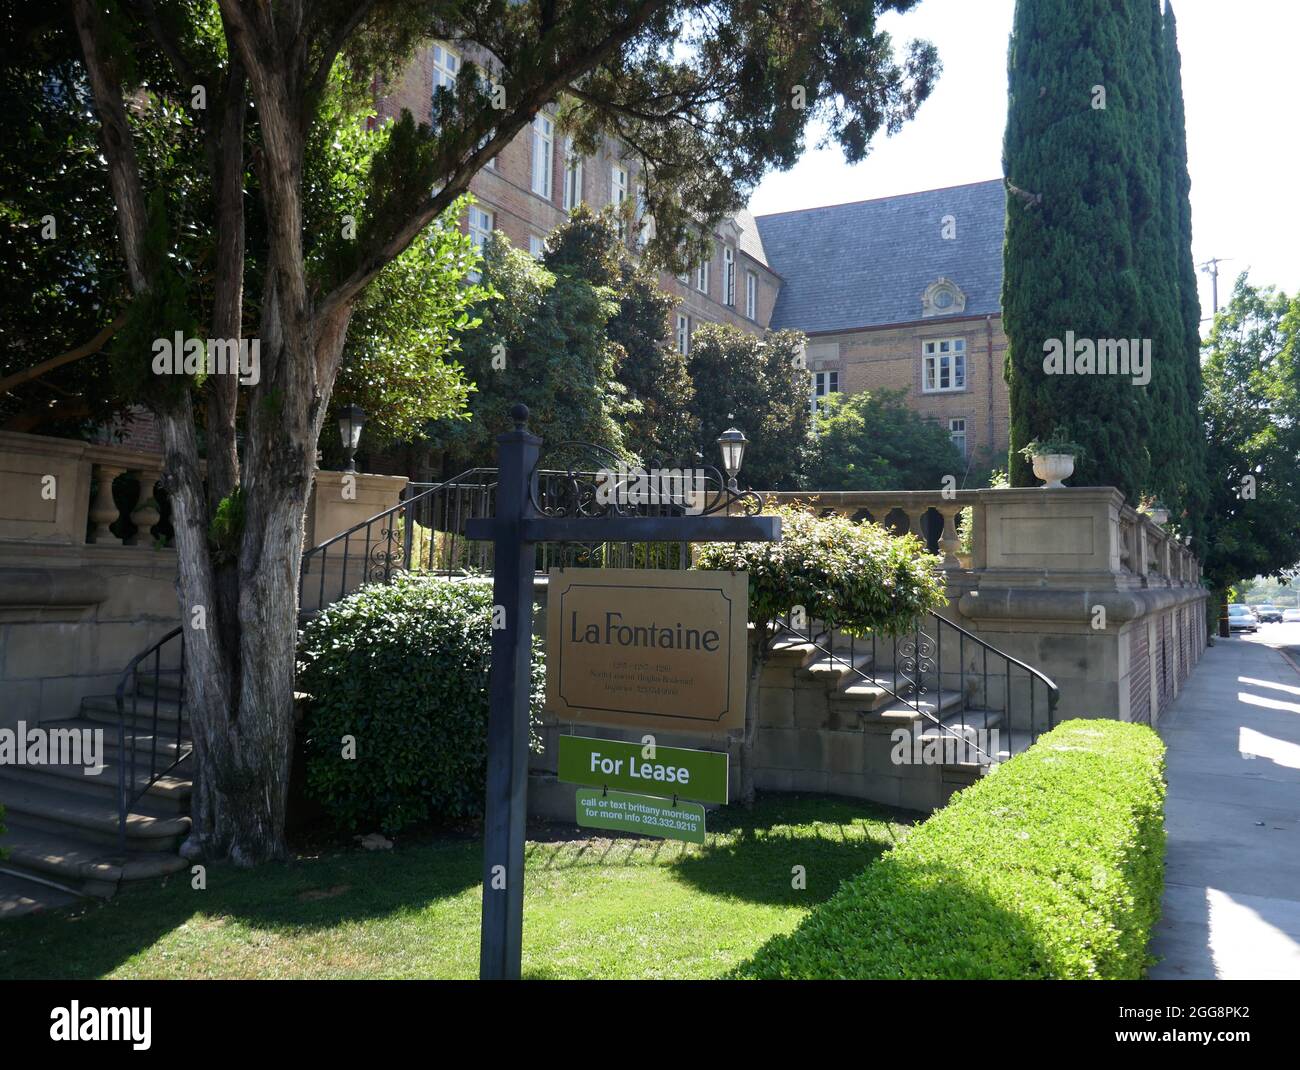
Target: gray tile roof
750 241
868 263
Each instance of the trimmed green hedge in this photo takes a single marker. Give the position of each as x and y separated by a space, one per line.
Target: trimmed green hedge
403 669
1051 867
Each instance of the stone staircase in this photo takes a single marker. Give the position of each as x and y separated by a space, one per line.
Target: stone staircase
63 827
839 731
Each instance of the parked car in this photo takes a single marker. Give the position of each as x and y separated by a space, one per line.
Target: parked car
1268 613
1241 619
1291 615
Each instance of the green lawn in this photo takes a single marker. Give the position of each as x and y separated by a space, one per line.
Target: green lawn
594 907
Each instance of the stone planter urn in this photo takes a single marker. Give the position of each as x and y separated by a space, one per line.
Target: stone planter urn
1051 468
1159 515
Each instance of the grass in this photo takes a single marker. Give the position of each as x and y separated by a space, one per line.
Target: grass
621 907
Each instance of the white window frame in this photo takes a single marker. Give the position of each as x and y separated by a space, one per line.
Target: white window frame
543 155
943 358
572 176
728 277
824 383
536 246
702 275
751 294
955 433
446 65
683 334
478 233
618 187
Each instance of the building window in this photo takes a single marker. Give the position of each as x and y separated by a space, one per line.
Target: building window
572 176
728 277
823 384
751 295
684 334
618 194
702 275
536 246
543 155
943 366
445 65
480 229
957 432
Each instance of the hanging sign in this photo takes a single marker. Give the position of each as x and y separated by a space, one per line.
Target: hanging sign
612 763
624 812
647 648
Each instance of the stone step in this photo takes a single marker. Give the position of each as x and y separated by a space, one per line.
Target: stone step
915 708
143 740
56 808
969 720
78 863
139 714
170 792
167 684
838 666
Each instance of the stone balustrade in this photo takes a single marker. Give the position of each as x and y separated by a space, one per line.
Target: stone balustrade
1131 542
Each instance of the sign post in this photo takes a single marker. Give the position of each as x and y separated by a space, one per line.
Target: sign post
515 531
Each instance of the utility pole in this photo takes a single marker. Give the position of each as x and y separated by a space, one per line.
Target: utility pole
1211 268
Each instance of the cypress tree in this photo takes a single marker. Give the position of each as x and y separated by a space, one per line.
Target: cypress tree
1196 493
1091 245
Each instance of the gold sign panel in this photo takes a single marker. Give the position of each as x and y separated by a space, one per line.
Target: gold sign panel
647 648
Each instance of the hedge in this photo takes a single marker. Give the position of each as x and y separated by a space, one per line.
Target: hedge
1051 867
403 669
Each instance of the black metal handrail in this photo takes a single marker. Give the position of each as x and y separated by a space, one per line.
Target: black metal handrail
922 659
127 791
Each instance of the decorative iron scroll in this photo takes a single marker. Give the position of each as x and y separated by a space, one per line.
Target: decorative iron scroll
385 556
917 659
611 487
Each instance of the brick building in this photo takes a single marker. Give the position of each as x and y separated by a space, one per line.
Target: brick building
903 293
527 190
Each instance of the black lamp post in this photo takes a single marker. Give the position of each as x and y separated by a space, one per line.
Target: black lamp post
732 443
351 421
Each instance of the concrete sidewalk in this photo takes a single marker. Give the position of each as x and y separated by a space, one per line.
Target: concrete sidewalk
1232 871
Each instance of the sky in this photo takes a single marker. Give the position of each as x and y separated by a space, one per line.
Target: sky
1241 87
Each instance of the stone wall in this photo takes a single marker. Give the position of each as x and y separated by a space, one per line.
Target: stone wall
76 608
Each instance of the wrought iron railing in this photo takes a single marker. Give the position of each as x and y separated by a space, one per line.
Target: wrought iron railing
955 697
147 667
425 532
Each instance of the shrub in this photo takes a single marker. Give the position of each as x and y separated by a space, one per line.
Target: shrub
404 670
1052 867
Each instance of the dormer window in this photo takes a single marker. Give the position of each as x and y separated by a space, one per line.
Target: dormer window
942 298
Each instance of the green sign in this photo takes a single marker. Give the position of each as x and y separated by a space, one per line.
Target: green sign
645 814
612 763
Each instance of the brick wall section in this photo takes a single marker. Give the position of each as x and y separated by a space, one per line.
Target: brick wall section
506 190
1163 665
1139 657
889 358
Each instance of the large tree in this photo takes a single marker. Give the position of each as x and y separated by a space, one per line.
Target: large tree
1252 421
871 440
708 93
1098 242
761 386
658 421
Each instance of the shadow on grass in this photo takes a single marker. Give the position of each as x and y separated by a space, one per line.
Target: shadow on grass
306 896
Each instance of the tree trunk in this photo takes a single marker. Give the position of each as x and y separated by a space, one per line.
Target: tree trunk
757 662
